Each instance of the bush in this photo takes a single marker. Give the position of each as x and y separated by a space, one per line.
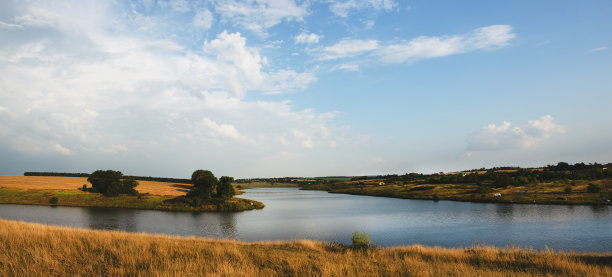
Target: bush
53 200
110 183
594 188
224 189
361 240
568 190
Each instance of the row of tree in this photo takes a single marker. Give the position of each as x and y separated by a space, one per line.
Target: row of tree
141 178
506 176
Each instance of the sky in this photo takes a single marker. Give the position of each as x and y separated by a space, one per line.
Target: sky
273 88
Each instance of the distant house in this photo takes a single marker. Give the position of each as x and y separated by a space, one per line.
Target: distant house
497 194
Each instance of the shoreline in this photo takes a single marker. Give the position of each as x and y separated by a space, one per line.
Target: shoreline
459 199
72 198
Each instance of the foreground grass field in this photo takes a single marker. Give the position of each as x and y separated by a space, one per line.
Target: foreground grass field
542 193
28 249
39 191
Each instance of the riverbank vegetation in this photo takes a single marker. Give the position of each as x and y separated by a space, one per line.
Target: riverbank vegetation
108 188
49 250
555 184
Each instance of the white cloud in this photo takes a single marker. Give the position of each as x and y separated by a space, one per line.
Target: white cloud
424 47
345 7
543 127
346 67
4 25
305 140
505 136
180 5
242 67
114 148
348 48
203 19
224 131
603 48
490 37
260 15
83 87
61 149
305 38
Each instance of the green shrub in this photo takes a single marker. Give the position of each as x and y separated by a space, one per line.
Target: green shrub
361 240
594 188
568 190
53 200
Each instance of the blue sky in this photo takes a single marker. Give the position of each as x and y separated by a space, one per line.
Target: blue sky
302 88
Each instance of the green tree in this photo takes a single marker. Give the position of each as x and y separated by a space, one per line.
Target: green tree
225 189
204 183
595 188
110 183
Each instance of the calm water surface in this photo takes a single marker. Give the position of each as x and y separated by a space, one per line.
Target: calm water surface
294 214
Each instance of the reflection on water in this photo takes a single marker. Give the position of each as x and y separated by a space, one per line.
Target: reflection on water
505 211
111 219
294 214
228 225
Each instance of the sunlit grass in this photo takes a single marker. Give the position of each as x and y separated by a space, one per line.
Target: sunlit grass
28 249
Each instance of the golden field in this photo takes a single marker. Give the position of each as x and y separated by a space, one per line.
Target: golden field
74 183
28 249
34 190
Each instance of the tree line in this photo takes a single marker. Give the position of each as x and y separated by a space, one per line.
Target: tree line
141 178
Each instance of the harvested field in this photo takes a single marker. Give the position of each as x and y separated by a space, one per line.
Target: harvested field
74 183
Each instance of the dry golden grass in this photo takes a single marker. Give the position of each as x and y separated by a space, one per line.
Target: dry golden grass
74 183
28 249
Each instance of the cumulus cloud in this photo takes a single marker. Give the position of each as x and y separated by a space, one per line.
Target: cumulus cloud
260 15
305 38
61 149
241 67
345 7
506 136
224 131
87 87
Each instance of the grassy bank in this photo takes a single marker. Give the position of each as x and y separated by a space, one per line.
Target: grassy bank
541 193
86 199
28 249
40 190
250 185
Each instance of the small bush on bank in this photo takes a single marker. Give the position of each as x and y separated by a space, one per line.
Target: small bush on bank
53 200
361 240
594 188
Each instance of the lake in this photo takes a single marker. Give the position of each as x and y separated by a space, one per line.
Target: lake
296 214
